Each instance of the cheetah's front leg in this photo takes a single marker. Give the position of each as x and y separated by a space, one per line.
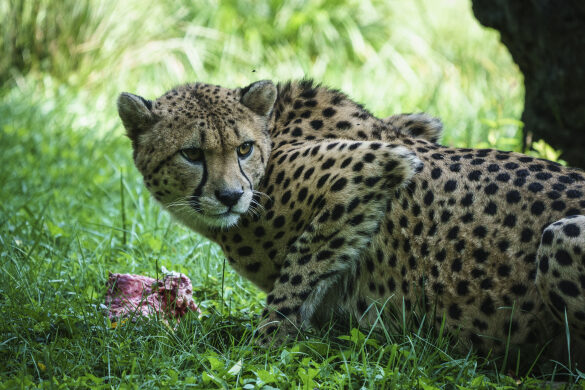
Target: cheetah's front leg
347 212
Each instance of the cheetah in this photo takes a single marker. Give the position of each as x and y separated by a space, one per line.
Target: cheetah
335 213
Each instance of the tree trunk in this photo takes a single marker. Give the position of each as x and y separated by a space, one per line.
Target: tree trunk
547 40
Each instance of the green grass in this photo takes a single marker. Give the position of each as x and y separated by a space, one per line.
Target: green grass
73 208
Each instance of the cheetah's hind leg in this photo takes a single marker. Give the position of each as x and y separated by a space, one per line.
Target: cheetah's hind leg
561 273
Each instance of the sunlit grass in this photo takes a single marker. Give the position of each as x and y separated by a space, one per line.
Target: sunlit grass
73 208
391 56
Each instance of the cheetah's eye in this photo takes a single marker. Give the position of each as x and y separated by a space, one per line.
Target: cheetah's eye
245 149
193 155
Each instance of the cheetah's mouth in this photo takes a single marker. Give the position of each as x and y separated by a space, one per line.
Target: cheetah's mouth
222 220
225 214
215 216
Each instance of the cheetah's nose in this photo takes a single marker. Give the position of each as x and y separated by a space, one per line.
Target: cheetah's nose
229 197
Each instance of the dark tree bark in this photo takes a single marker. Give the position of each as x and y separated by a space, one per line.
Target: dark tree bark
547 40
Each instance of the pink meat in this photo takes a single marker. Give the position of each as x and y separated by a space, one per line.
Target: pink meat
133 295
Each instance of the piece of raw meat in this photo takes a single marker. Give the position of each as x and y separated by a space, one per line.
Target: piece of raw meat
133 295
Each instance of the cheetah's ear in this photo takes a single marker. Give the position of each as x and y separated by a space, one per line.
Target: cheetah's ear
136 114
419 125
259 97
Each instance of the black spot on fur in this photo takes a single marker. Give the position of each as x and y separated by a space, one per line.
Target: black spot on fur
513 196
253 267
450 186
537 208
343 125
487 306
455 311
563 257
316 124
480 255
571 230
245 251
339 184
474 175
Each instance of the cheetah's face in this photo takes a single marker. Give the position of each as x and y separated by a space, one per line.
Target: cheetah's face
201 163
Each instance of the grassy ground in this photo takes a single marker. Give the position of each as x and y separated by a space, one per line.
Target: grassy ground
72 207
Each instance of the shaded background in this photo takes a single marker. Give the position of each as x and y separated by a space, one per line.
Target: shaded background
393 56
547 40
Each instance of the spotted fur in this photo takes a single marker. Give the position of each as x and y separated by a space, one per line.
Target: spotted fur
346 212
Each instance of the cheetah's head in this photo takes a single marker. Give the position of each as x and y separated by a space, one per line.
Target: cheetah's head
202 149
